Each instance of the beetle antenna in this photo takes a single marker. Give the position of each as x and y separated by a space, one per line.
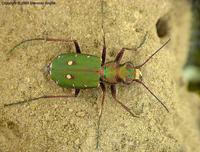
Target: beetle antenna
152 55
153 95
36 99
34 39
42 39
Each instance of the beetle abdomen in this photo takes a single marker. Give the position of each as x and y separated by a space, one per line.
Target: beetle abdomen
72 70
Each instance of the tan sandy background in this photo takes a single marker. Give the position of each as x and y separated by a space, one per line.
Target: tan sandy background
69 125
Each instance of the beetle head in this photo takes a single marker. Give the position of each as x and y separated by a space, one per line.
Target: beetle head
128 73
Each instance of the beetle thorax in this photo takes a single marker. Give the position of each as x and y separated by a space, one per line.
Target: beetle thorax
109 73
113 73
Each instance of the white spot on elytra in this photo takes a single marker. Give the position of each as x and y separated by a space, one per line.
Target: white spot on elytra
68 76
73 85
85 86
88 56
58 56
56 82
76 55
70 62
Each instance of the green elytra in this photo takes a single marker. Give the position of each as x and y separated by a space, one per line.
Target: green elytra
72 70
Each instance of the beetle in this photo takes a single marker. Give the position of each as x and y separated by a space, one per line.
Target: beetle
82 71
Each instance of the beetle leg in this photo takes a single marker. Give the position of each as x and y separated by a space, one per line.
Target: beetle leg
78 50
119 56
103 57
100 113
139 46
49 39
77 92
41 97
121 52
113 91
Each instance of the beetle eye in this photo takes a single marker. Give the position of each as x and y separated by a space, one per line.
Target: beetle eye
129 65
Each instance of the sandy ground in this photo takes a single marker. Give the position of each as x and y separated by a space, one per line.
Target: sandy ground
69 125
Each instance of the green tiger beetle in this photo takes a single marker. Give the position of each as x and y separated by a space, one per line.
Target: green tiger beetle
83 71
